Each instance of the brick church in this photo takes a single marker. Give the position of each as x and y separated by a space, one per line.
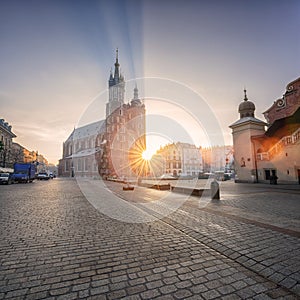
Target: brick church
109 147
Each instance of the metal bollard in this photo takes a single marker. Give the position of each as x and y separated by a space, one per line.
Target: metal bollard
215 190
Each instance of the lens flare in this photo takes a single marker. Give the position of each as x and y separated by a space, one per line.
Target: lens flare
147 154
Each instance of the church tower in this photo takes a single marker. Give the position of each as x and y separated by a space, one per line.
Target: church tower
242 131
124 139
116 87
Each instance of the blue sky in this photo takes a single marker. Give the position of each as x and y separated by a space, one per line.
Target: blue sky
55 57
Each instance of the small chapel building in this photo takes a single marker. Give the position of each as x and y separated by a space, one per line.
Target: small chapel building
269 151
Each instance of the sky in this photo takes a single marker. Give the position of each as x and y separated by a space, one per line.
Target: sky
190 59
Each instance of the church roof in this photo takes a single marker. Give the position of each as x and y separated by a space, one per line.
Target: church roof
285 126
84 153
88 130
246 105
246 120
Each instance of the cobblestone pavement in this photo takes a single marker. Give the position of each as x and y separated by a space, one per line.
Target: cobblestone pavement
56 245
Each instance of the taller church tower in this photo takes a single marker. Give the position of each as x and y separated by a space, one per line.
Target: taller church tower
242 131
124 139
116 87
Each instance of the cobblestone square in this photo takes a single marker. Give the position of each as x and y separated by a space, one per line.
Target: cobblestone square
56 245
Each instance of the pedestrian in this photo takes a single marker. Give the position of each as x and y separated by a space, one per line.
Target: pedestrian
275 179
271 179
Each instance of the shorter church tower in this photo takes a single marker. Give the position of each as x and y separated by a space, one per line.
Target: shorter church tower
244 151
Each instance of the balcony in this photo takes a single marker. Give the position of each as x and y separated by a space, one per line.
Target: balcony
262 156
279 146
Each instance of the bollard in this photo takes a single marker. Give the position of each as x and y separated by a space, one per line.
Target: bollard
215 190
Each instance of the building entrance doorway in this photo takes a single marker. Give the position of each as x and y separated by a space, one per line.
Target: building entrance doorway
271 174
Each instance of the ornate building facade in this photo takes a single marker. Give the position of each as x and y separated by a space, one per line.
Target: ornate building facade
181 159
6 136
110 147
11 152
217 158
262 154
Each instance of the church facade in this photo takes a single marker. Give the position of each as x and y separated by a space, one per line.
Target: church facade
113 146
269 151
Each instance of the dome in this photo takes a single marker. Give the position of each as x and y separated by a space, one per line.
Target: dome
246 108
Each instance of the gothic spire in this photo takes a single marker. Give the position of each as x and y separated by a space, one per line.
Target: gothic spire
136 93
136 101
117 65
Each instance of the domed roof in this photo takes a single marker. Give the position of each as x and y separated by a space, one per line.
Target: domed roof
246 105
246 108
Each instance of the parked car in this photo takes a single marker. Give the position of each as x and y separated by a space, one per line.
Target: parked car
6 178
43 176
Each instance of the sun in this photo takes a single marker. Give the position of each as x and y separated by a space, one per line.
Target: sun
147 155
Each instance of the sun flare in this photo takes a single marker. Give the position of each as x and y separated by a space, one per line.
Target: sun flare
147 155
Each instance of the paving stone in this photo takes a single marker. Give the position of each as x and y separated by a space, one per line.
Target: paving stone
137 289
36 296
70 296
182 294
16 293
288 282
199 289
116 295
154 284
132 297
83 293
210 294
99 290
231 297
214 284
150 294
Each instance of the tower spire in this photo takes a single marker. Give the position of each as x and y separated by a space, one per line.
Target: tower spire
117 65
135 93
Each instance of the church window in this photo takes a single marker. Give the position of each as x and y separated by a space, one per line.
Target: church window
79 165
86 164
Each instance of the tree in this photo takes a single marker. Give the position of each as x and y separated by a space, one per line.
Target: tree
17 154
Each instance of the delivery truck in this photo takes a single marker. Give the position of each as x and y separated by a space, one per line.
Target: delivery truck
24 172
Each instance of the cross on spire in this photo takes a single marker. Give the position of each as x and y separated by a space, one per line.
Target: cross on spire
245 92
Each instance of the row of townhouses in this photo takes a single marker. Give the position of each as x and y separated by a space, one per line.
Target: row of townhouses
11 152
